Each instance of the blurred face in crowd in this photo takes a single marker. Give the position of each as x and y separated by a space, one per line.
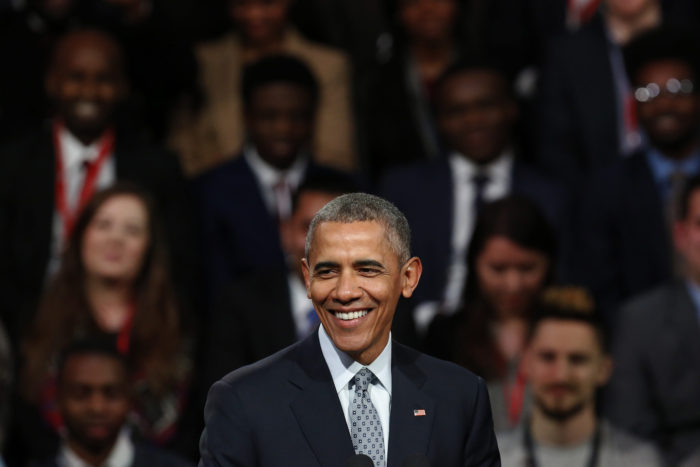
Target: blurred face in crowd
279 121
116 239
354 279
510 277
687 236
260 21
86 82
475 114
670 120
93 400
565 364
294 229
428 20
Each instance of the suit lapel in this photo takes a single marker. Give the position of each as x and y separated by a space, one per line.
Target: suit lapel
317 408
412 411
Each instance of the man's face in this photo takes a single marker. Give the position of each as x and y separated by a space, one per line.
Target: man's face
279 121
86 83
687 236
565 365
93 400
475 114
354 279
260 21
294 229
428 20
670 120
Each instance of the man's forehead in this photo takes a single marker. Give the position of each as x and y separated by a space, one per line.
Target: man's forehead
564 334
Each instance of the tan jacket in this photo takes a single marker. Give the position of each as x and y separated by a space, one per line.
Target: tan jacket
217 132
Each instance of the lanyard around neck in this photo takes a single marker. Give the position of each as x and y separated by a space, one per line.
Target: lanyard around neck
89 181
531 461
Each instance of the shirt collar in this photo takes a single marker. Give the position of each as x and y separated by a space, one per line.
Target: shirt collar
269 175
498 169
122 454
694 292
662 167
343 368
74 151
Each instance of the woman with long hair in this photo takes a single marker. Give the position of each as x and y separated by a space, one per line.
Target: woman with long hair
510 261
113 283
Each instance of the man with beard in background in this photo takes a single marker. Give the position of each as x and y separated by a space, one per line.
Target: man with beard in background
566 361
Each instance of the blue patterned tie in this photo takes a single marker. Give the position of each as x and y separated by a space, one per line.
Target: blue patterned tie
365 427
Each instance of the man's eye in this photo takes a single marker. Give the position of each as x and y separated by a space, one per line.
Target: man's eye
369 271
324 272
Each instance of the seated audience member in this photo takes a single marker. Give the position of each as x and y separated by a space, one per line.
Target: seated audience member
654 390
566 361
239 331
262 28
47 177
243 200
397 97
586 107
627 213
511 260
475 113
94 399
113 283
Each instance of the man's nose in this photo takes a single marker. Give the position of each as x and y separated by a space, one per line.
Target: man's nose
347 288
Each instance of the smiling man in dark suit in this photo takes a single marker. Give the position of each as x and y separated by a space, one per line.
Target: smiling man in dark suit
300 407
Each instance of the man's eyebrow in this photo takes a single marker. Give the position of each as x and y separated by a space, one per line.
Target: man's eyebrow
325 265
367 262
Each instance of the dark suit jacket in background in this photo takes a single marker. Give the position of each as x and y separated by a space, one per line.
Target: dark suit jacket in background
424 193
655 386
624 246
240 235
27 173
284 410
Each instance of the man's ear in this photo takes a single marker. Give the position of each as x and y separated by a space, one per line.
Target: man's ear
307 276
411 272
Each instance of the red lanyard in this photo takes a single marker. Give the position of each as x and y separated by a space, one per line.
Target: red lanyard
89 182
124 336
515 395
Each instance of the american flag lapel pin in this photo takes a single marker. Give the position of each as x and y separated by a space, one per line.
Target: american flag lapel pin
419 412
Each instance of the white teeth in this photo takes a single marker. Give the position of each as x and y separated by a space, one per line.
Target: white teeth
351 315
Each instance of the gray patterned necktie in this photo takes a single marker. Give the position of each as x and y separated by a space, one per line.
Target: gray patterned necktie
365 426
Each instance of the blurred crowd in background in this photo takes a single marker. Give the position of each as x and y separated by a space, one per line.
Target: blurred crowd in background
160 162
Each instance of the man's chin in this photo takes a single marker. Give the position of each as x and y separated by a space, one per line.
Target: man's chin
560 413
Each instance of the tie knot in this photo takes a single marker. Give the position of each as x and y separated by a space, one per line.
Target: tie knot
480 179
362 379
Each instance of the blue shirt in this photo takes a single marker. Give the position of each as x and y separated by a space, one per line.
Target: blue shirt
694 291
663 167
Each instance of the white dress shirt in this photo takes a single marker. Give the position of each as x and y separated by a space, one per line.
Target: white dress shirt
268 177
301 305
74 155
343 369
122 454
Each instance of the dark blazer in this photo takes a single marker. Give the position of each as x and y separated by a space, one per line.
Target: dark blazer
144 456
27 171
624 246
578 130
424 193
654 389
239 234
284 410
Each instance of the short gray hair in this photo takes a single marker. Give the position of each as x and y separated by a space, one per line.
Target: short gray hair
363 207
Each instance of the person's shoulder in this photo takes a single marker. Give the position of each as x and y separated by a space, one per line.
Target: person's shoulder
217 49
440 373
397 178
649 306
627 449
510 446
315 53
227 172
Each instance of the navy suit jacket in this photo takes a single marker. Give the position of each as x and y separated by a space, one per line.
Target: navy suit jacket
240 235
424 193
284 410
624 243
